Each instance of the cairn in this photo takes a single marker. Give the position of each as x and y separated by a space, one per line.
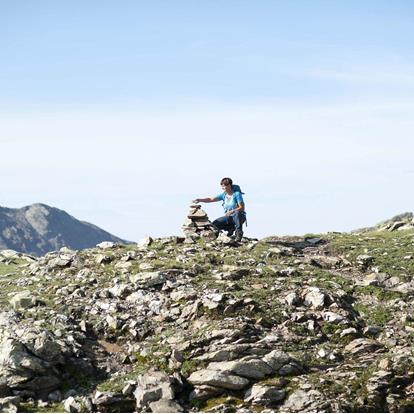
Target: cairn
198 225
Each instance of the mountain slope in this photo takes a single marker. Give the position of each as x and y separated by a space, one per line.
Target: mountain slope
284 324
38 229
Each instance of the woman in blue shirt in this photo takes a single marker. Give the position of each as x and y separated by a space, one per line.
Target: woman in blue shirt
234 213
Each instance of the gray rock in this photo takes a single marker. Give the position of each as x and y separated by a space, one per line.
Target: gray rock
103 259
121 290
55 396
148 279
103 399
165 406
314 297
9 404
292 299
264 395
276 359
106 245
249 368
224 239
218 379
205 392
153 386
362 345
145 242
32 365
300 401
23 300
364 261
71 405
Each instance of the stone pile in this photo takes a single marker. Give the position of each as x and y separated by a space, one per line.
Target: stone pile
198 225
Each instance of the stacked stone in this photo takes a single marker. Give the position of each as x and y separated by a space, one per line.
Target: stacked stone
198 225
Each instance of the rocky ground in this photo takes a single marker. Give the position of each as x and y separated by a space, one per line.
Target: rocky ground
318 323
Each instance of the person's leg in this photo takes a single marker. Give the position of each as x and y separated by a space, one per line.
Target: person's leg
238 218
223 223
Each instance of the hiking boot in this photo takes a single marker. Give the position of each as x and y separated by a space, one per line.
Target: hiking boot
239 236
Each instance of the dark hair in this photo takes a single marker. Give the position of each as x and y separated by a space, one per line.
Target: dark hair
226 181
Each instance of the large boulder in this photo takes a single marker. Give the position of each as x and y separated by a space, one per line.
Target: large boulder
153 386
218 379
30 359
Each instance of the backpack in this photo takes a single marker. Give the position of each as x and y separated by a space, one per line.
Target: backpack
236 188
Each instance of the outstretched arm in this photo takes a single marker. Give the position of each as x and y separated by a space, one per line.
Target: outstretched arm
206 200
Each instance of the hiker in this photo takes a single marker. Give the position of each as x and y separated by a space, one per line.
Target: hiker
234 214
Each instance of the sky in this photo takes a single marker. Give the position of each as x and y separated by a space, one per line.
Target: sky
122 112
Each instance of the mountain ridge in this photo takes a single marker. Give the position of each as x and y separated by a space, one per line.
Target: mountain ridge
39 228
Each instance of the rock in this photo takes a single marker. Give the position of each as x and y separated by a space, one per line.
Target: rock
333 317
145 242
165 406
121 290
23 300
348 331
63 260
224 239
364 261
103 259
249 368
276 360
9 253
362 345
30 365
264 395
105 399
205 392
314 297
374 279
72 406
129 388
148 279
55 396
218 379
292 299
153 386
106 245
198 225
300 401
9 404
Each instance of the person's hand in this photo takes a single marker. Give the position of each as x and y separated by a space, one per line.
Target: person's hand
227 214
197 200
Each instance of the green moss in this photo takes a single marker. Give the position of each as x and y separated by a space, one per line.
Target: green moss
377 315
214 402
31 407
378 292
189 366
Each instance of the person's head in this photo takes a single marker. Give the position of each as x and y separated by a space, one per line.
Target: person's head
226 183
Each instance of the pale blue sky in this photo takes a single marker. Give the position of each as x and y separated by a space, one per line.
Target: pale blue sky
121 112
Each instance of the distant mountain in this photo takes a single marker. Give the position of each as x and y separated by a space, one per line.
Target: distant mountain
38 229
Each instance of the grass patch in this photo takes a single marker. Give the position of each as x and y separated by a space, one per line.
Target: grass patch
388 249
32 407
376 315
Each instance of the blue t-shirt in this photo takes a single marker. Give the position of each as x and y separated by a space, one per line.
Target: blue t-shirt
230 202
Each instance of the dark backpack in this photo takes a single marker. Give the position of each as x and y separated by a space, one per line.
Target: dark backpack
236 188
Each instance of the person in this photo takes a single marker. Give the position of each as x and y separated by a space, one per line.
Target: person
234 211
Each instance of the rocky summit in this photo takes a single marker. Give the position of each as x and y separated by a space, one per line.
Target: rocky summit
284 324
38 229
